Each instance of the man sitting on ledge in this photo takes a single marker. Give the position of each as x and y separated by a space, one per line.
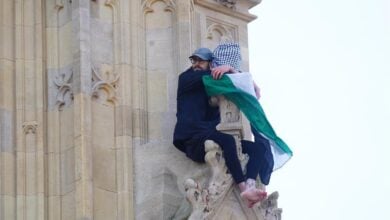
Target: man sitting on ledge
197 121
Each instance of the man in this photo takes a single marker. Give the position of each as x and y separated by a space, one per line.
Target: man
197 120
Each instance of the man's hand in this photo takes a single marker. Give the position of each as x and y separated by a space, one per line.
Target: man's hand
218 71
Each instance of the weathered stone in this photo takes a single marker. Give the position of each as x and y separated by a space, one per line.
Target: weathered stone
123 123
105 204
8 180
88 103
54 207
68 206
67 172
7 131
9 207
104 171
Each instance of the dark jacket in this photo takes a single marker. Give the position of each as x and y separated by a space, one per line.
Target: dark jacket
196 119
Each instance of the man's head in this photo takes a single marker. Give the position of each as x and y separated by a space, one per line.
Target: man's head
201 59
227 53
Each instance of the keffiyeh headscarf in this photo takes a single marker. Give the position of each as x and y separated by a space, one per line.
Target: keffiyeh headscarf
227 53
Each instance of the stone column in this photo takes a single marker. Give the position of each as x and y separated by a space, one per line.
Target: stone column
61 151
89 99
7 111
123 54
29 126
88 102
82 112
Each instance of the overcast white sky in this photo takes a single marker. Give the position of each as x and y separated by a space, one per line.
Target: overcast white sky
324 71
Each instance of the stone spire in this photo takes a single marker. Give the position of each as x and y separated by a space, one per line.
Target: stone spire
88 102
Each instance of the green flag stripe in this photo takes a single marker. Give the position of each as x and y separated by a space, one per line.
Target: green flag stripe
246 103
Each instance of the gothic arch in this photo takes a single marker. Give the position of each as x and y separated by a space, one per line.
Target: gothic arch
147 5
223 31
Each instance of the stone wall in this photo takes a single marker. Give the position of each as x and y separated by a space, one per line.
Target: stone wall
88 101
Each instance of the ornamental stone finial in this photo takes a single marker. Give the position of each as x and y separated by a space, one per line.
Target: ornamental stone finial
228 3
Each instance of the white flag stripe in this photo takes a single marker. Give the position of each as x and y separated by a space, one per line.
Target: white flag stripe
243 81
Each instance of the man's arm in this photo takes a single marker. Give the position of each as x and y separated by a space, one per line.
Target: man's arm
189 81
218 71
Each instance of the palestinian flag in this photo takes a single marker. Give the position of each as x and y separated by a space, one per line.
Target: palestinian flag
239 89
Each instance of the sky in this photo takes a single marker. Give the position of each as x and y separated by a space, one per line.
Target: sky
324 72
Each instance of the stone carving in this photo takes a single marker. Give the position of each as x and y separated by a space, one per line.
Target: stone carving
57 178
70 1
104 84
228 3
63 81
110 3
30 127
205 201
269 208
229 111
210 201
59 5
147 5
222 30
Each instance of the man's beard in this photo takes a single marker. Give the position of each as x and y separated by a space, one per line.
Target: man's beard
197 68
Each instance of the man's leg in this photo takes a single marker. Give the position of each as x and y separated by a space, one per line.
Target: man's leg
253 167
265 158
254 153
228 146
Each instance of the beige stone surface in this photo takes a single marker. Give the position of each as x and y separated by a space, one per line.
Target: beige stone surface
68 206
54 207
88 103
7 35
65 45
105 204
7 71
54 174
9 207
8 182
67 171
104 172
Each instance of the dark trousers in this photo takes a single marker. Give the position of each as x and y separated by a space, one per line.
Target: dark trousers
259 154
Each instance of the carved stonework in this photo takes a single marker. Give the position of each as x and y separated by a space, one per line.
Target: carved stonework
147 5
231 113
59 5
230 117
228 3
30 127
205 201
63 81
104 84
220 198
220 31
269 208
210 202
110 3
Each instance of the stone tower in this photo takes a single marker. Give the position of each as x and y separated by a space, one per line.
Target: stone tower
88 101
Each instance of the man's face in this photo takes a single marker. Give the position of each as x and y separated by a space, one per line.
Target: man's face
199 65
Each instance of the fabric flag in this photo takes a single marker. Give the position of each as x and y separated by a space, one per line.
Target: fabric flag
239 89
